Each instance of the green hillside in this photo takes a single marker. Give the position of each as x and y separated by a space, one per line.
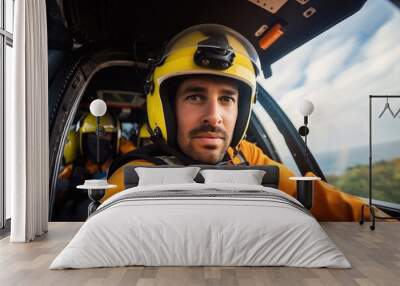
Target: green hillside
385 181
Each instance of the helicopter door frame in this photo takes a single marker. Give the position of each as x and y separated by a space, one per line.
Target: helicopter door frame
292 138
262 138
71 98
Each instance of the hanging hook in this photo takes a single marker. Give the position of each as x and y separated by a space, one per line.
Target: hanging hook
387 107
395 115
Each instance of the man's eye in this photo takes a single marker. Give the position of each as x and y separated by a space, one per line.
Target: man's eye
228 99
194 98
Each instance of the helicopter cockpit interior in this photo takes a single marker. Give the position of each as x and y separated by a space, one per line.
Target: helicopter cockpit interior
225 142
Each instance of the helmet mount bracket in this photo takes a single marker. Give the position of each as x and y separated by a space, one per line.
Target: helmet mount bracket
215 53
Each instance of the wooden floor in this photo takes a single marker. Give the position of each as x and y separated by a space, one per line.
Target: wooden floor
374 255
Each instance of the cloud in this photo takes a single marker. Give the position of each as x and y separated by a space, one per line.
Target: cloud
330 58
384 39
338 71
288 73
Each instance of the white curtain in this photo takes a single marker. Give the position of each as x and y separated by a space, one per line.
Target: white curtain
27 148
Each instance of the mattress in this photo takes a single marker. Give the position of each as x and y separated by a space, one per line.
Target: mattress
201 225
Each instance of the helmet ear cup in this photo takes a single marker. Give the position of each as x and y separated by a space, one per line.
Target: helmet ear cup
168 90
245 104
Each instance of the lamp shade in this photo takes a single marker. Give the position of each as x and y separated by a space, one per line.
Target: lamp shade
306 107
98 107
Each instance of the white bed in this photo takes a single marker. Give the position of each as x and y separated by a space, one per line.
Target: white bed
201 224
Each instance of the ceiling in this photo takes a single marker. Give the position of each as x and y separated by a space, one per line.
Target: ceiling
145 26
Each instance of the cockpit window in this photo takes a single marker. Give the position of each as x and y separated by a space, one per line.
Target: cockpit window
276 138
337 71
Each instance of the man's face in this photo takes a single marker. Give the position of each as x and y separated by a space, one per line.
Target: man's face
206 112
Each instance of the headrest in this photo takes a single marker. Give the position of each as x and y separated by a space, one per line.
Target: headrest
270 179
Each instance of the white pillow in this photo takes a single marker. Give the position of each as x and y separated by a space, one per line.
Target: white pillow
162 176
249 177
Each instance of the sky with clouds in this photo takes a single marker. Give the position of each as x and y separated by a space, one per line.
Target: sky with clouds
337 71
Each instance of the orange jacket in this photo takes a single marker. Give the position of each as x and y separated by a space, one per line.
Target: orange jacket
125 146
330 204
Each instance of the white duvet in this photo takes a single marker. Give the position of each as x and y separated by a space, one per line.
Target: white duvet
201 224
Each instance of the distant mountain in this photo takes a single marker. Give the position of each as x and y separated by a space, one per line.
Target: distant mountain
336 162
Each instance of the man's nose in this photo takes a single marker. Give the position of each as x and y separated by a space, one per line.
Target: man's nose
212 113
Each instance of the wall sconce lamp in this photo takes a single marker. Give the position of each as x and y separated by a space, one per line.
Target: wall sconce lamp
98 108
305 185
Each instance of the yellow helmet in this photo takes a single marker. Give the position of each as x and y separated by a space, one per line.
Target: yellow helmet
88 138
71 147
204 49
143 134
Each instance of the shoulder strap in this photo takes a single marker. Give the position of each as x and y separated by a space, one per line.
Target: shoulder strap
145 154
170 160
156 154
237 154
242 159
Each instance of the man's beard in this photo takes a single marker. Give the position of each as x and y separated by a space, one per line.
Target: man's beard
206 157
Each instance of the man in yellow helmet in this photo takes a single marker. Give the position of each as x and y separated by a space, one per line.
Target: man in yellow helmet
81 146
199 100
80 158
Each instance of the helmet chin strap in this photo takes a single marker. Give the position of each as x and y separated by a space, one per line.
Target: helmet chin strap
172 151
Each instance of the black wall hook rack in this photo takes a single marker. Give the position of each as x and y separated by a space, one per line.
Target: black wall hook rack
370 204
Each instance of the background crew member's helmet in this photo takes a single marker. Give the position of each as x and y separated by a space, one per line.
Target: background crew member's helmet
144 136
71 147
110 133
204 49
